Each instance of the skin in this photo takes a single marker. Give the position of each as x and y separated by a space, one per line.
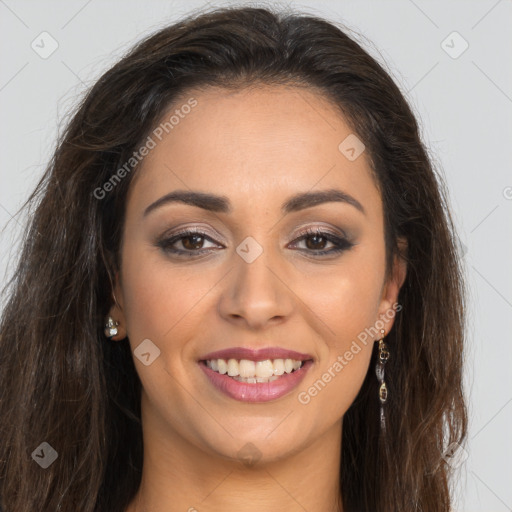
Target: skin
256 147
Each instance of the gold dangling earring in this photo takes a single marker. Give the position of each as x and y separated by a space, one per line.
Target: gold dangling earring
379 370
111 327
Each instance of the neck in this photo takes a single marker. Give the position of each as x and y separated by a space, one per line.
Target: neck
178 476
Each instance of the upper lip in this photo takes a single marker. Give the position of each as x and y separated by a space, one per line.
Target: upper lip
256 355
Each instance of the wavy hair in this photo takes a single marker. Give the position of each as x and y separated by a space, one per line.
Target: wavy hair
62 383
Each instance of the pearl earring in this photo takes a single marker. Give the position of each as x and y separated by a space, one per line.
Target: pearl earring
111 327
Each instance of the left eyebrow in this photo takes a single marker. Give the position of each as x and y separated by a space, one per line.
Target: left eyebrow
309 199
221 204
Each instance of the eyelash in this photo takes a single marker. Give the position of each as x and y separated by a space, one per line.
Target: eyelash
341 244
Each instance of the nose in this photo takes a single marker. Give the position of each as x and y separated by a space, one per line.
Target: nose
256 294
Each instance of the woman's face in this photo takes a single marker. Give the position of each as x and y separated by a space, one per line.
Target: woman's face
251 276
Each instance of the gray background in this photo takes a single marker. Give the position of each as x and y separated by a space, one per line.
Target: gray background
464 105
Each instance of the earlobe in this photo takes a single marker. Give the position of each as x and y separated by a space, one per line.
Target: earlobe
115 327
115 322
111 327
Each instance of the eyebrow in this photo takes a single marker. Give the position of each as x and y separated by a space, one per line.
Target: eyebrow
221 204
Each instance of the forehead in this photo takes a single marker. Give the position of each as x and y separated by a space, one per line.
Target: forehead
253 144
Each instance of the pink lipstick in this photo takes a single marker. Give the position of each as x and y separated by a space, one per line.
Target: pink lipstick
255 375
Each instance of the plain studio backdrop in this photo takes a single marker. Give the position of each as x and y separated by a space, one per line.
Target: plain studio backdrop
452 61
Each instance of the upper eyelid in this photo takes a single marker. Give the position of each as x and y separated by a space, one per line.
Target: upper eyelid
308 231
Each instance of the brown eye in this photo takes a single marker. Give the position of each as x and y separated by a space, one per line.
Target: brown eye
197 242
316 240
192 243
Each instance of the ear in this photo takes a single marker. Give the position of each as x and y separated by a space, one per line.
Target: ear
389 298
117 311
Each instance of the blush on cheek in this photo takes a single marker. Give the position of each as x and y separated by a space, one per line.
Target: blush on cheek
165 304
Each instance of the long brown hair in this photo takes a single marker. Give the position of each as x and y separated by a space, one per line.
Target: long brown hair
62 383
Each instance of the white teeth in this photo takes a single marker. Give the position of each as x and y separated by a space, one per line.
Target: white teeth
254 371
264 369
253 380
233 368
247 368
222 366
278 367
263 379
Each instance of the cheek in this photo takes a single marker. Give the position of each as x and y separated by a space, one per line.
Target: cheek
347 298
347 301
349 310
162 300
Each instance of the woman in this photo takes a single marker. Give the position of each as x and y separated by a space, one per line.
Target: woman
239 289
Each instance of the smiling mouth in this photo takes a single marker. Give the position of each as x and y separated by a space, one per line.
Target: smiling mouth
254 372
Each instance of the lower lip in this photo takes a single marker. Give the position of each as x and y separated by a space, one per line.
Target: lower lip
260 391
